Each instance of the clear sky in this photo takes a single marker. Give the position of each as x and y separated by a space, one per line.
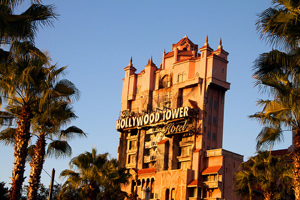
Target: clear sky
96 39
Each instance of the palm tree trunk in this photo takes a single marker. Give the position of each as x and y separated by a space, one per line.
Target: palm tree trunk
296 161
36 165
22 137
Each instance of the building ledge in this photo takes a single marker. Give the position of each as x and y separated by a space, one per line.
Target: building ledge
147 171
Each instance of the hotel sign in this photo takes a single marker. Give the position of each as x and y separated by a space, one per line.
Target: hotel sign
156 117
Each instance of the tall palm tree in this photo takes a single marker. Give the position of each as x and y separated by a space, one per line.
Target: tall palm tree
47 125
24 85
282 82
280 23
97 176
270 174
23 26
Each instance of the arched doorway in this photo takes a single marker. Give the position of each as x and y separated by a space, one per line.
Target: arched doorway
167 197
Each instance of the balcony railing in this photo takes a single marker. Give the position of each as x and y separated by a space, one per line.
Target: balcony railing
212 184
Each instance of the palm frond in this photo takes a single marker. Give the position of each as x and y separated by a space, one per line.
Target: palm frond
268 137
58 149
71 133
7 136
30 153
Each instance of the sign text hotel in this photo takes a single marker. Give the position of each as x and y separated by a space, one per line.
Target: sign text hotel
152 118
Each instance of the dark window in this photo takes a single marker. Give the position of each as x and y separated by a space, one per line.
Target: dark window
209 103
214 136
214 120
209 119
208 148
208 135
215 105
133 132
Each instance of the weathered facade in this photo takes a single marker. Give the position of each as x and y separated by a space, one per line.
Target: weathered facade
171 126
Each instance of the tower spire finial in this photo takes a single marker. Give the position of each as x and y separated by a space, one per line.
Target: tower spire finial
206 41
151 60
220 44
130 62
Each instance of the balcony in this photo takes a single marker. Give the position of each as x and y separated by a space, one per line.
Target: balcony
212 184
185 143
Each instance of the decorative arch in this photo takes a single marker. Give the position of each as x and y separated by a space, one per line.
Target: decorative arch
165 81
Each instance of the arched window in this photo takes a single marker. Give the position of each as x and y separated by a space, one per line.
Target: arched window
165 81
197 75
181 77
167 194
173 194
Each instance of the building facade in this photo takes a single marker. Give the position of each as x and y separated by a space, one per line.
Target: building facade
171 126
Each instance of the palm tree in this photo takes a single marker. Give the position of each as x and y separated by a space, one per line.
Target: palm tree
279 24
47 125
282 82
23 26
244 181
270 174
24 85
97 176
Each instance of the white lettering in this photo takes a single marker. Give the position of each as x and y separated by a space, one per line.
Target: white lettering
123 122
133 121
175 113
186 111
181 112
157 117
140 121
129 124
146 119
118 126
168 115
152 118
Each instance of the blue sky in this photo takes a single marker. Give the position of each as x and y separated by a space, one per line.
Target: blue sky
96 39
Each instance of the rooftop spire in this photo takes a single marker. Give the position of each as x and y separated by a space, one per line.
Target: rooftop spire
206 41
220 44
130 63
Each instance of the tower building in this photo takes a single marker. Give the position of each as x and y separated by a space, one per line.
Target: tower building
171 126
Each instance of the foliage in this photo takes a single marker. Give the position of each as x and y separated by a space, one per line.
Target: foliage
25 25
3 191
277 74
27 83
279 24
270 174
95 177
